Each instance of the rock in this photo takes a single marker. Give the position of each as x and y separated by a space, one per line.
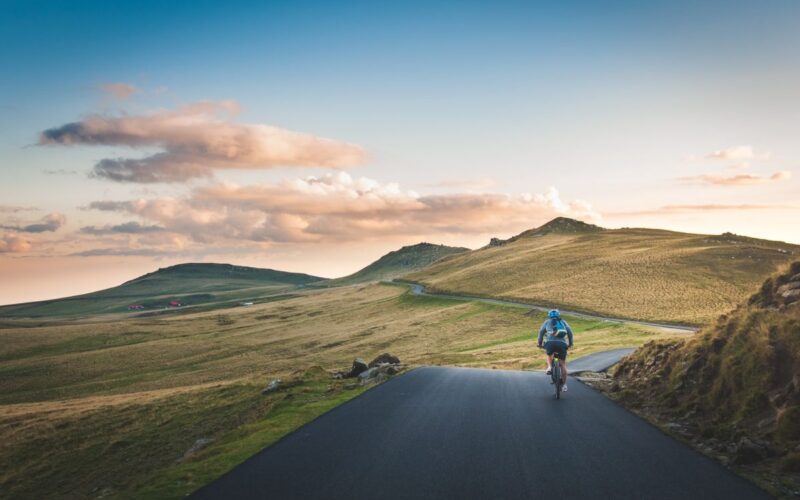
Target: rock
791 295
748 452
367 374
384 358
359 366
376 377
272 386
496 242
197 446
792 285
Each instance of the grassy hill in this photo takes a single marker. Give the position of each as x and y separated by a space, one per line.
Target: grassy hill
188 284
644 274
398 263
107 407
735 387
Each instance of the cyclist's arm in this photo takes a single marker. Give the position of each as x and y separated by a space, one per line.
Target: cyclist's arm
541 335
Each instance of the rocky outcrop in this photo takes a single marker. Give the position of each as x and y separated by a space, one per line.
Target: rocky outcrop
380 368
384 359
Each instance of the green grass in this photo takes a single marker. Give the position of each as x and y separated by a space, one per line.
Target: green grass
105 408
131 450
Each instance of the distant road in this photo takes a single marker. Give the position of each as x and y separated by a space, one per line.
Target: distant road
457 433
599 361
418 289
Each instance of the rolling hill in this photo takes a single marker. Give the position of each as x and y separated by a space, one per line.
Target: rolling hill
646 274
734 387
398 263
185 284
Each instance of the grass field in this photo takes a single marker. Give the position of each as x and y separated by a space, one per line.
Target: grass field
630 273
108 408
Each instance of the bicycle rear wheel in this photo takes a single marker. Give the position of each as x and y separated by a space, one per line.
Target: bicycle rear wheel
557 382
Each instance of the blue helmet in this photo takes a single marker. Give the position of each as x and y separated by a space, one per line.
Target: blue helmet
554 314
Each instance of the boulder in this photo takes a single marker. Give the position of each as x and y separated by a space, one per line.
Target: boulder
272 386
359 367
384 358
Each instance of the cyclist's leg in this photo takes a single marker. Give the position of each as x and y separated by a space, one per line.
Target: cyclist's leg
548 350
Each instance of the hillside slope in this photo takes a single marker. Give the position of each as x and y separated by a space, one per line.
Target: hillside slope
735 387
645 274
398 263
187 284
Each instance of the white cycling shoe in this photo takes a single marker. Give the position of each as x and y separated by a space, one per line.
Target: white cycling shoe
564 388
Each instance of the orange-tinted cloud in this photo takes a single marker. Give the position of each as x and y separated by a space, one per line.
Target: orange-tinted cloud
14 243
736 180
196 140
338 208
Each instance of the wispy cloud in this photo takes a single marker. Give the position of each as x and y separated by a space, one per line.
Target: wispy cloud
196 140
49 223
12 209
739 157
119 90
736 180
60 171
124 228
338 208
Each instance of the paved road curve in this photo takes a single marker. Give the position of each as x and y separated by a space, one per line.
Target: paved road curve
599 361
418 289
455 433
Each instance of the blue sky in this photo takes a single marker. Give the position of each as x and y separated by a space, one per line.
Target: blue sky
617 104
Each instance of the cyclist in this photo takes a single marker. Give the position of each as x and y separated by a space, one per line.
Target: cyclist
558 333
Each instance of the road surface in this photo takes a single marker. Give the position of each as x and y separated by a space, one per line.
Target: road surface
457 433
418 289
597 362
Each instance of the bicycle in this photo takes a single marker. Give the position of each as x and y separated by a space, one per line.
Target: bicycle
555 375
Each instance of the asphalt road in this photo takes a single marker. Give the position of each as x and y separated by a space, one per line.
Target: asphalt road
598 362
418 289
455 433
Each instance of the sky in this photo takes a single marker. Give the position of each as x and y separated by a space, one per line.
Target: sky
315 136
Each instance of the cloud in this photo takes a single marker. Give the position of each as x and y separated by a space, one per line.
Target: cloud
60 171
118 90
12 209
196 140
49 223
124 228
783 175
339 208
736 180
14 243
741 156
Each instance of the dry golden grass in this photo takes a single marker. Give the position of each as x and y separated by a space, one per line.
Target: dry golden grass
140 391
630 273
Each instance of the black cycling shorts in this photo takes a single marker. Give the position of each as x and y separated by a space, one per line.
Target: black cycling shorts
559 349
